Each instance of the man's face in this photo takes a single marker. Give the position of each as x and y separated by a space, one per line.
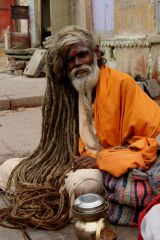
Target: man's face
78 55
82 68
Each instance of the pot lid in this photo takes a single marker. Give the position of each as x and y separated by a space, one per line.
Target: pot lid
89 201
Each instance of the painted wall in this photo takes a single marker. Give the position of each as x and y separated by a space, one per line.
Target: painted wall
4 16
103 16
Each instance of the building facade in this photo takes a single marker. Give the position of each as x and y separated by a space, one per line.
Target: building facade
128 31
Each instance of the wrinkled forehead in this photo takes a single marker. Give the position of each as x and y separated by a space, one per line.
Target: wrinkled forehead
69 41
73 50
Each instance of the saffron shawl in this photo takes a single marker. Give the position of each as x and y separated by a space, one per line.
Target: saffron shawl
124 114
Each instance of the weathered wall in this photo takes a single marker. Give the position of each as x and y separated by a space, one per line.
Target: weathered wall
78 12
126 39
132 60
38 20
134 17
68 12
136 57
31 4
60 14
155 62
134 46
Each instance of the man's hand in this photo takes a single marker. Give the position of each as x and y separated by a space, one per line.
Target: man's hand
84 162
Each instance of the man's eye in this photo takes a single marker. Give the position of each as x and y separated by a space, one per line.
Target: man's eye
70 60
82 54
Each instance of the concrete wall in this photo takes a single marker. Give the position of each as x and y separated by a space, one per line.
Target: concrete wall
138 56
60 14
68 12
31 4
155 62
133 60
134 17
78 11
134 46
38 21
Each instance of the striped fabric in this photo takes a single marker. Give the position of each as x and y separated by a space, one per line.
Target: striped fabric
130 193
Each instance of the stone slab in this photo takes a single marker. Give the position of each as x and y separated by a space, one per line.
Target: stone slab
24 57
36 63
29 51
4 103
28 102
66 233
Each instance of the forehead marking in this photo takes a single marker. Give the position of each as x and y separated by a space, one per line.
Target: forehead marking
73 52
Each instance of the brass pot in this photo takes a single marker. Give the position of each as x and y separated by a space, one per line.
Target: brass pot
89 209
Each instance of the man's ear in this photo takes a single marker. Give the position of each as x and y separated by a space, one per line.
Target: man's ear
98 52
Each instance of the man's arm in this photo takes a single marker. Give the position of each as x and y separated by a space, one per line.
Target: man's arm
84 162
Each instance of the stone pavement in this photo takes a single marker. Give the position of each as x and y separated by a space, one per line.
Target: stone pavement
20 91
20 131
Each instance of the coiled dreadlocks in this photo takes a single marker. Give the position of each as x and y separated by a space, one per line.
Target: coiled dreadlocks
40 199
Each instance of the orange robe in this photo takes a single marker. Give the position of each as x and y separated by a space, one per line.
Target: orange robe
124 114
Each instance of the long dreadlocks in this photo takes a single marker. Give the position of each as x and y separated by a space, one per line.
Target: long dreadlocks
40 199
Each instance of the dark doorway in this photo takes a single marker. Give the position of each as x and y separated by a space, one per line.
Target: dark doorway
46 19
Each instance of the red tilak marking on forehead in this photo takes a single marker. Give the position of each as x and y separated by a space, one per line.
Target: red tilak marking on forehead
73 52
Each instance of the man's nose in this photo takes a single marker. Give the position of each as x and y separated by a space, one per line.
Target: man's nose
78 61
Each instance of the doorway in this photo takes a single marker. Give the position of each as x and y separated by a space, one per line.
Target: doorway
46 19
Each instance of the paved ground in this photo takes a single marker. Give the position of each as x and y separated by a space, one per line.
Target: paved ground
19 132
19 128
20 91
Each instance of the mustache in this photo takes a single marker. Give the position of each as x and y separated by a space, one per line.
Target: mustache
85 68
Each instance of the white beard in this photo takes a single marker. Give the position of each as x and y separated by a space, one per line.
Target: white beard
84 79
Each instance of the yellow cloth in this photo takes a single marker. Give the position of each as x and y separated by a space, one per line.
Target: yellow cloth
124 114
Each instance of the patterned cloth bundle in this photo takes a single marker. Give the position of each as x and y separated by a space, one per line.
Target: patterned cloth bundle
130 193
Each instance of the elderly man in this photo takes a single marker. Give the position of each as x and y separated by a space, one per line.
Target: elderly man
89 112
